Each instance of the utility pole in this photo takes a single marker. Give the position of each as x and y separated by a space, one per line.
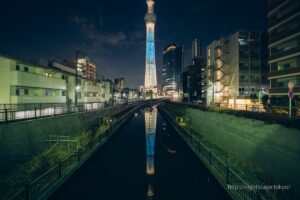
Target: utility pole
76 77
213 83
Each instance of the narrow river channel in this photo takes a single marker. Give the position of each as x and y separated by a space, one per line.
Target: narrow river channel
146 159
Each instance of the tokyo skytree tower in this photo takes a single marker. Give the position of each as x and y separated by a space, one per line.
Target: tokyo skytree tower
150 73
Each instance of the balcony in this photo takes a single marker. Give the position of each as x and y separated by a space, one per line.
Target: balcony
284 54
281 36
283 90
284 72
37 99
275 3
287 15
26 79
93 88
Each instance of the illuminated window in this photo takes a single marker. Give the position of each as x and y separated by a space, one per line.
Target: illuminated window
208 52
208 62
243 42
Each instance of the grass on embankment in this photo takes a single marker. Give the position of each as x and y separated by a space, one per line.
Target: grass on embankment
270 151
26 172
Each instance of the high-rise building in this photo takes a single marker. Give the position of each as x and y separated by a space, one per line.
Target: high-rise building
150 72
86 68
120 83
196 49
192 80
90 72
237 69
284 48
172 68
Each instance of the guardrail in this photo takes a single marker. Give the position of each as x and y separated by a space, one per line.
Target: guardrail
17 112
224 173
46 184
277 110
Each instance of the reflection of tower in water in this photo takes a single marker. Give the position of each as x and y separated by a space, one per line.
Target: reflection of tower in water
150 191
150 124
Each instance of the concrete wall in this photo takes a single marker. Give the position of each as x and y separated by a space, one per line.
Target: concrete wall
271 148
21 140
4 81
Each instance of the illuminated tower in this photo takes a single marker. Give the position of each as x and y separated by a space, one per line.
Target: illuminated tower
150 73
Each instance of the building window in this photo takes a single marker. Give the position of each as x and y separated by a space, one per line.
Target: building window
64 93
48 74
103 95
241 89
26 69
17 92
48 93
18 67
243 41
26 92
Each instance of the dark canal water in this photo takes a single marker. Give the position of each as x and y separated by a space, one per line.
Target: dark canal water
145 160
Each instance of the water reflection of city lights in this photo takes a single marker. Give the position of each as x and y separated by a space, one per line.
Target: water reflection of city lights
150 192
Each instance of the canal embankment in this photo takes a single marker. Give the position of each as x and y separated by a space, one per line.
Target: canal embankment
259 153
89 129
19 141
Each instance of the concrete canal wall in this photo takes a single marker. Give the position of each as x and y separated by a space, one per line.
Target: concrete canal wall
19 141
271 149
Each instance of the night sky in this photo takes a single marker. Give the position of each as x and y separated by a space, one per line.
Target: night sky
112 32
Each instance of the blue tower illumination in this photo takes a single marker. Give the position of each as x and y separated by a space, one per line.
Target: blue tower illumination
150 72
150 124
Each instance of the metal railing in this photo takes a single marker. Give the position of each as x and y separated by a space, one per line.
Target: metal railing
224 173
15 112
282 111
245 107
39 187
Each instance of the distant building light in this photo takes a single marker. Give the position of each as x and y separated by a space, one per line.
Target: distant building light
170 48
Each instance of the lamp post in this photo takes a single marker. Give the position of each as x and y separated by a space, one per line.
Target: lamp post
291 95
213 84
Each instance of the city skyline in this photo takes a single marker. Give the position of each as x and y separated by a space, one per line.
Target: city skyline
150 99
98 29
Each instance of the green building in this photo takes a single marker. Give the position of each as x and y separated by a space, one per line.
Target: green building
26 83
21 82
